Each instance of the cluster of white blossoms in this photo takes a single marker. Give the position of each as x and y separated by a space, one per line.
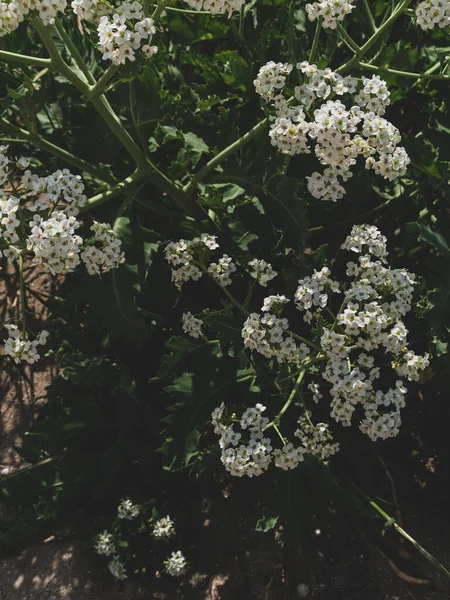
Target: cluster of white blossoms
330 11
119 38
106 257
109 544
122 29
59 187
117 568
37 217
268 335
20 348
164 528
340 133
184 257
104 544
370 320
432 13
349 349
250 452
54 243
316 439
128 510
13 13
216 7
262 271
176 564
191 325
222 270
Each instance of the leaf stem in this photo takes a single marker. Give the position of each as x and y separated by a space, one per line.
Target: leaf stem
100 86
410 539
56 59
350 41
369 15
315 44
371 41
32 61
402 73
120 188
78 59
224 154
23 306
291 397
27 137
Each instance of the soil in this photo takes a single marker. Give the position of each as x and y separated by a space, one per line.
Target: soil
229 560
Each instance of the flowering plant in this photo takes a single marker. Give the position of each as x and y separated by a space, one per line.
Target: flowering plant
158 131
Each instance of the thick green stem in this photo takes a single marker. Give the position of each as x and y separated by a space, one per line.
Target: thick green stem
231 149
83 165
159 9
410 539
350 41
23 305
107 113
57 61
403 73
120 188
65 37
100 86
31 61
371 41
369 15
291 398
315 44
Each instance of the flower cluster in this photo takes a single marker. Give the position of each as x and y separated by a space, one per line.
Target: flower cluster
312 291
119 38
432 13
250 454
128 510
262 271
316 439
176 564
185 253
9 205
104 544
117 568
269 336
222 270
191 325
330 11
164 528
349 350
54 243
61 186
216 7
112 544
108 256
20 348
14 13
340 133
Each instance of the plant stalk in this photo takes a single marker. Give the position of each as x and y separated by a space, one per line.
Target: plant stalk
32 61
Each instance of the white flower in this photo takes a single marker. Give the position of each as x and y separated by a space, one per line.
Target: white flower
20 348
262 271
222 270
128 510
192 325
330 11
104 544
164 528
432 13
176 564
106 257
117 568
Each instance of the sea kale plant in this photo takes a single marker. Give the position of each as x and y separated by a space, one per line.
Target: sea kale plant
214 185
